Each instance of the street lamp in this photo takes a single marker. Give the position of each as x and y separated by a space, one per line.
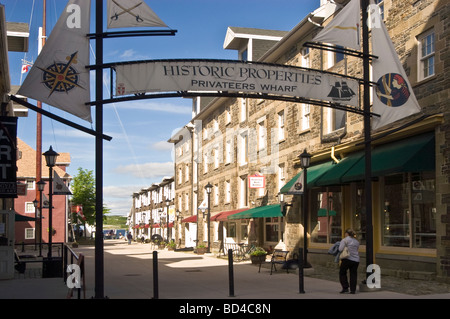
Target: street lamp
35 203
50 158
208 188
41 186
305 160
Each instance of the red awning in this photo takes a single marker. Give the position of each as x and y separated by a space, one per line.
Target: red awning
190 219
222 216
159 225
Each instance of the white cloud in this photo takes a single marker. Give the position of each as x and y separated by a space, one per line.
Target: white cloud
162 146
147 170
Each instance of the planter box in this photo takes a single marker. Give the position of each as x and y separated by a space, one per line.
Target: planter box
258 259
201 250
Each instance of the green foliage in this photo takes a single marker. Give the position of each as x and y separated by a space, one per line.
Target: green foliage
83 193
259 251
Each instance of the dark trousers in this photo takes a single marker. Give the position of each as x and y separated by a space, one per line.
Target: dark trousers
352 266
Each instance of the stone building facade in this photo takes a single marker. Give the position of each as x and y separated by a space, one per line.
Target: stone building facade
238 138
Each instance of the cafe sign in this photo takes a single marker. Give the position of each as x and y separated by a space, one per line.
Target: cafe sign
8 151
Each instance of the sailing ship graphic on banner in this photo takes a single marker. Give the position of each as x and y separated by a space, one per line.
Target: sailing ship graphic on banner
341 92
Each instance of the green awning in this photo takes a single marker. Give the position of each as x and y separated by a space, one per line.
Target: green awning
415 154
23 218
259 212
314 172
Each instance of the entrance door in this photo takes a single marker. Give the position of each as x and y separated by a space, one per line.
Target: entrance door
190 235
7 244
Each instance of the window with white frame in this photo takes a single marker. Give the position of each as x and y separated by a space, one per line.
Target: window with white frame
243 104
243 148
305 58
261 136
180 175
30 184
215 124
305 114
216 194
380 4
186 172
281 176
333 120
29 207
426 55
29 233
227 191
281 126
227 115
205 163
243 191
228 151
216 157
186 201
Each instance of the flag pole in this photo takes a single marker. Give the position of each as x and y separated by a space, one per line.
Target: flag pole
99 260
367 137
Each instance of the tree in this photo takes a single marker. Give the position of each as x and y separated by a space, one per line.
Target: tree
83 193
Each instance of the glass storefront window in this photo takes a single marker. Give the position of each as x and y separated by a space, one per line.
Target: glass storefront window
409 210
273 229
326 215
359 215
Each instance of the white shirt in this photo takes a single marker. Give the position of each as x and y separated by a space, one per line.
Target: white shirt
352 245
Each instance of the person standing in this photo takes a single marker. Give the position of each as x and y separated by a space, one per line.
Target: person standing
350 263
129 237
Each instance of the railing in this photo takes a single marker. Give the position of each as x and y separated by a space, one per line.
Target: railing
79 261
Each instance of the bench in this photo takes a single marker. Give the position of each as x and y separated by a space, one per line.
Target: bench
278 257
20 266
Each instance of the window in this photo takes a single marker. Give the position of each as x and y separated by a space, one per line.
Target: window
243 104
243 191
281 125
426 55
326 221
29 233
29 207
305 58
215 124
380 4
305 116
281 176
228 152
227 115
30 184
273 230
227 191
243 149
205 163
409 210
333 120
261 136
186 201
186 171
216 194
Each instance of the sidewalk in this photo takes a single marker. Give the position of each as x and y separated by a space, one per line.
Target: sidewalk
128 274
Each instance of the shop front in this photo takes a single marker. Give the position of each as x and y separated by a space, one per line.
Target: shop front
404 204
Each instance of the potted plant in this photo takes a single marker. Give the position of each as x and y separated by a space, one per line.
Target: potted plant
75 244
258 256
201 249
171 245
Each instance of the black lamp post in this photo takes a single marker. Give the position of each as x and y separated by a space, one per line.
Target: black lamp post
40 185
50 158
305 160
35 203
208 188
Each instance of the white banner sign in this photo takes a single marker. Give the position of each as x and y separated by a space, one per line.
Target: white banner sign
233 76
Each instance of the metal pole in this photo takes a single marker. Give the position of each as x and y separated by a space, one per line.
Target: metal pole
305 217
40 223
50 213
155 275
301 285
367 137
230 273
99 262
209 223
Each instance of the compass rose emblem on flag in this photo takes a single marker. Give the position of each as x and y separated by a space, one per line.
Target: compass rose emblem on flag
61 77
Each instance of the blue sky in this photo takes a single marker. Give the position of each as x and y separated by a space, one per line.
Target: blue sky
139 155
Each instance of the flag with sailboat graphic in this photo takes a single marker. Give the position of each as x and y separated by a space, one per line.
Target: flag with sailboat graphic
131 13
344 28
59 76
393 97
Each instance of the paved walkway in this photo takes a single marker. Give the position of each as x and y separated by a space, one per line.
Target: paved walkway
128 274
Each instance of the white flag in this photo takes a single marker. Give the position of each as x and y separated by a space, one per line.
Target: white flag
59 76
393 98
131 13
298 187
59 187
344 28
